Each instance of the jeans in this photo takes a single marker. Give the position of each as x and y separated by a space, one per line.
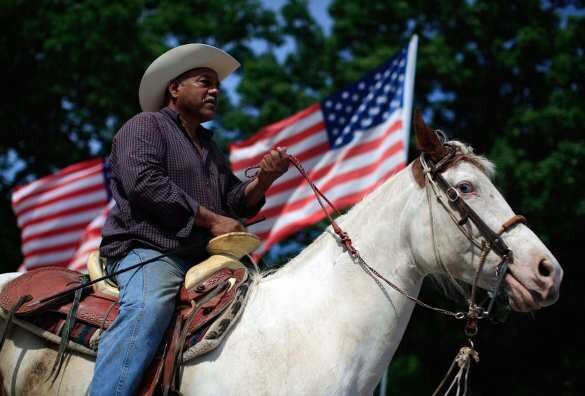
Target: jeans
147 304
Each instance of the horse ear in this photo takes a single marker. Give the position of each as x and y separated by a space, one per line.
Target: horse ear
427 141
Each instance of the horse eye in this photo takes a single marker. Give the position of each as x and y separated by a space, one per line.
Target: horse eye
465 187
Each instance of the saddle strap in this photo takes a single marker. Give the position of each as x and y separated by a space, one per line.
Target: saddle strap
8 323
66 333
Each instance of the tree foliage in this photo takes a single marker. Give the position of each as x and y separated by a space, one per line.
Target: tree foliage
503 76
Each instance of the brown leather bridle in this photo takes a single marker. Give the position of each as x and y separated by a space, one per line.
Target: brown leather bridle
492 241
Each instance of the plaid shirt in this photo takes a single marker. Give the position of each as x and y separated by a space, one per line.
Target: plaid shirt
159 180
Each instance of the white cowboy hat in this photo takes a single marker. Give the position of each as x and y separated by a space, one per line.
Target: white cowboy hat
175 62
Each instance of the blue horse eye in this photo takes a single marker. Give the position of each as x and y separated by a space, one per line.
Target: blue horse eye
465 187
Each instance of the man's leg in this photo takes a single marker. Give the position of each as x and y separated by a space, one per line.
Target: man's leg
147 303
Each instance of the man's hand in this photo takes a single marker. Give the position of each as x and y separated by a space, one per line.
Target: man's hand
222 225
273 165
216 223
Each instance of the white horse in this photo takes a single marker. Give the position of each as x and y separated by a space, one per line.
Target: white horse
321 325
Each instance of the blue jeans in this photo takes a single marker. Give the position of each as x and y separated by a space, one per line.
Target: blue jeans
147 303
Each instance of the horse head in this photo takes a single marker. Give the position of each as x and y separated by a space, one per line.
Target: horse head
472 247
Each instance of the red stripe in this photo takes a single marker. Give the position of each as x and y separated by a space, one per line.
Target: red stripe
52 249
85 190
81 209
333 182
56 231
317 173
342 202
288 141
39 193
80 166
272 129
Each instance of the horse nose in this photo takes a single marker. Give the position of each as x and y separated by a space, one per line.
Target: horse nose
548 278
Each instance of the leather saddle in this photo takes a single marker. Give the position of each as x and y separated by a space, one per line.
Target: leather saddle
209 287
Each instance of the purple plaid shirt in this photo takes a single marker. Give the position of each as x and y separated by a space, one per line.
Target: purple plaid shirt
159 180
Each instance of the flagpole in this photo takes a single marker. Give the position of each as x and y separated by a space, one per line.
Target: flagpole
408 96
409 85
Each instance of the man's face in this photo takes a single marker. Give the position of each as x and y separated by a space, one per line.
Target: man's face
197 93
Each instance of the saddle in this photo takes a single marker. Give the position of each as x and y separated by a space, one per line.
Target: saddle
209 288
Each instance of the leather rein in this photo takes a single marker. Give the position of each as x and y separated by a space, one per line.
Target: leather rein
491 241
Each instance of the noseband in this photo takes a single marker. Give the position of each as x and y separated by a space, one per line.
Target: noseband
491 240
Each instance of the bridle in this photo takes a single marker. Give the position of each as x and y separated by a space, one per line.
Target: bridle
490 240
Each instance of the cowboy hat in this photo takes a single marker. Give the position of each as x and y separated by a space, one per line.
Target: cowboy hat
175 62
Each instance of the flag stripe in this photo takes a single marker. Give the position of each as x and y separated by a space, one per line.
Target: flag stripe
49 183
272 131
332 182
81 201
54 211
301 138
333 192
318 214
74 191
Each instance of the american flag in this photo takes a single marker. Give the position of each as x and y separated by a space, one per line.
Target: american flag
349 143
54 213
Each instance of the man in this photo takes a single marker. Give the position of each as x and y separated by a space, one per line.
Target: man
173 188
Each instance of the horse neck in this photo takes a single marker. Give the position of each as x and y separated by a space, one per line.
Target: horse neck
338 295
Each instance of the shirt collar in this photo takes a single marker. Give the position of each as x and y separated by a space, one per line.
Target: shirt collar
175 116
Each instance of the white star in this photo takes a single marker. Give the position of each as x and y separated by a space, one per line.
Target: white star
361 85
374 111
348 109
342 120
401 77
338 106
387 88
355 97
378 85
366 122
354 118
362 107
331 117
328 103
377 76
402 63
381 99
345 95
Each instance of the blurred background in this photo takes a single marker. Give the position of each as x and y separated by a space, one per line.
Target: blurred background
504 76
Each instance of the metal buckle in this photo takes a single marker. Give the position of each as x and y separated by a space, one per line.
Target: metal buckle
452 194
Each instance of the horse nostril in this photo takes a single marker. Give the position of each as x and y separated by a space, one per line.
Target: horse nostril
544 268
